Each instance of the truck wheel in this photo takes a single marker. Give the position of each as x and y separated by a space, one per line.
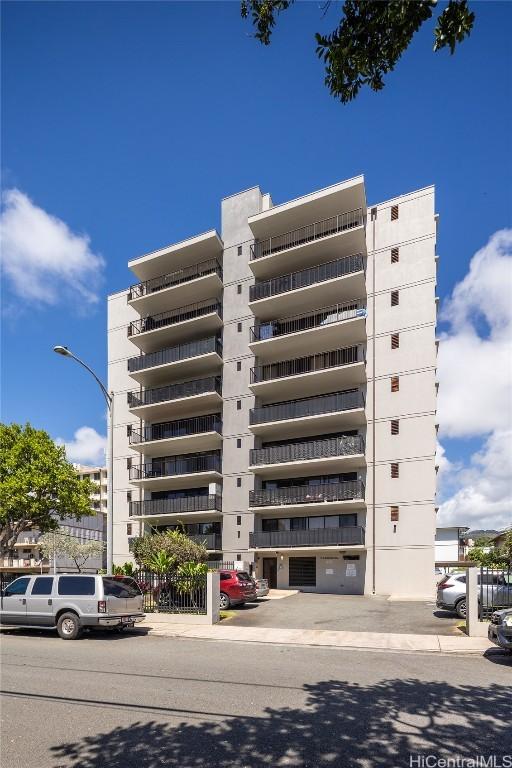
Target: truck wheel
68 626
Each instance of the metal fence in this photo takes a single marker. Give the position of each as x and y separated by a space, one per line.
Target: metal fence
307 406
314 537
495 590
318 229
304 277
199 503
172 593
219 565
340 445
174 354
309 364
184 464
181 428
174 316
306 321
307 494
184 275
175 391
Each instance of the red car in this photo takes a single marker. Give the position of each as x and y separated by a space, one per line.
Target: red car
236 588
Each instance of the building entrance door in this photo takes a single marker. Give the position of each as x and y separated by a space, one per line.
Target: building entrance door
270 571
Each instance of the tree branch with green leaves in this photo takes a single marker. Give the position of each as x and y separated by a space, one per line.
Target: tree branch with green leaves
370 37
38 486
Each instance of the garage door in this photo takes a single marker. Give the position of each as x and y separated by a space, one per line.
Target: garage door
302 572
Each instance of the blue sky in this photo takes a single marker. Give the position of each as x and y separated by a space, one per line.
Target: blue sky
129 122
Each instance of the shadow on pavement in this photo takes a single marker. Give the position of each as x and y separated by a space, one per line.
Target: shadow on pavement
341 724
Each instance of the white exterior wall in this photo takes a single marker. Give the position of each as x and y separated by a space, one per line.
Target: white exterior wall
394 547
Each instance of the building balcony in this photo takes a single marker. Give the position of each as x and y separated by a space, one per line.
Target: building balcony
340 453
212 541
334 281
318 329
21 563
182 399
309 244
197 506
325 497
310 375
180 324
182 471
311 415
349 535
181 286
190 359
186 253
201 433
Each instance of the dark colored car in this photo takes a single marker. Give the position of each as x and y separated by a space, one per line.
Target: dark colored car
500 629
236 588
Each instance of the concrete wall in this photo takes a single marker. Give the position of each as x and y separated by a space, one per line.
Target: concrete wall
235 232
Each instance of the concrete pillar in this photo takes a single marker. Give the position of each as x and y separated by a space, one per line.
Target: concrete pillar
474 627
212 596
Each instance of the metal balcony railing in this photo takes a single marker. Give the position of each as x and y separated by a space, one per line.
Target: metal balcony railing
174 316
211 266
315 537
174 354
181 428
310 364
307 494
178 465
212 502
175 391
315 231
306 277
212 541
308 406
306 450
316 318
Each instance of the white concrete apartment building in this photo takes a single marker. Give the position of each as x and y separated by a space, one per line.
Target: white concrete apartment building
276 391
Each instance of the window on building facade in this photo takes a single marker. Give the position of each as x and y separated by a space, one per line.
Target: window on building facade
395 470
394 212
395 426
395 383
395 340
395 298
395 255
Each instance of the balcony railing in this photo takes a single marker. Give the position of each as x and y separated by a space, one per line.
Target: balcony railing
314 537
317 318
175 354
309 364
315 231
307 494
309 406
175 391
212 502
174 316
212 541
209 267
181 428
306 277
178 465
306 450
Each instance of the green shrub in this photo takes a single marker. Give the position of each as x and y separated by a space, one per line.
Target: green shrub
175 544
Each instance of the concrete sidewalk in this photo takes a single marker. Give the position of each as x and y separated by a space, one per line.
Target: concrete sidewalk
322 637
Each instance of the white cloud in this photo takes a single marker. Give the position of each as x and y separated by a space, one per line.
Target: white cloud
43 259
475 372
87 447
483 494
475 392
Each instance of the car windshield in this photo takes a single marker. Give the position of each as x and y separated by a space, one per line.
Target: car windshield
120 587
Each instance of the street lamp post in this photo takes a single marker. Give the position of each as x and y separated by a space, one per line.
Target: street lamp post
109 398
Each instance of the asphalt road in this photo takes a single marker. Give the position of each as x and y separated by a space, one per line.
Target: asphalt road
146 702
356 613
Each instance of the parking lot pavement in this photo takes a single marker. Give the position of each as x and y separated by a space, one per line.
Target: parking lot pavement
356 613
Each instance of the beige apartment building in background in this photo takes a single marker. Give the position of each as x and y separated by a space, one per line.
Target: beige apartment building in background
275 391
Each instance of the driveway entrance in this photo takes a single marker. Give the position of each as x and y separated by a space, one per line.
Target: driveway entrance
354 613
